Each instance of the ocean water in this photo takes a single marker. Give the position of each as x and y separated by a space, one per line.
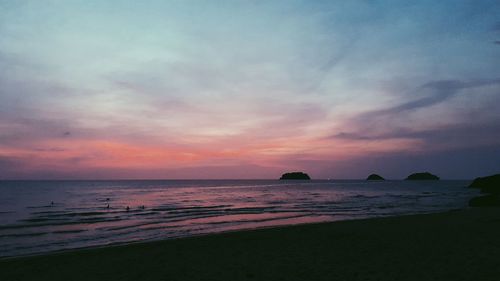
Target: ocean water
46 216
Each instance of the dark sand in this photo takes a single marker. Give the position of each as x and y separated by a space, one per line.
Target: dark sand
459 245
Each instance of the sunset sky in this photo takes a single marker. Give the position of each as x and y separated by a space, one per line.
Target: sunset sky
248 89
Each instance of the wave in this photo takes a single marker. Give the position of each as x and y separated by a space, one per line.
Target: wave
184 208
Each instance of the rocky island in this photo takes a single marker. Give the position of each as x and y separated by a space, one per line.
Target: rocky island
374 177
489 185
422 176
295 176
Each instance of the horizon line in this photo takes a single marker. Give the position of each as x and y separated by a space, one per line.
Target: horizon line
215 179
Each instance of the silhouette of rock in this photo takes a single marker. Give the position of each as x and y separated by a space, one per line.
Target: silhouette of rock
374 177
422 176
490 184
295 176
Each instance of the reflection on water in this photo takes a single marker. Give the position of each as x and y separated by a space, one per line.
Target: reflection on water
44 216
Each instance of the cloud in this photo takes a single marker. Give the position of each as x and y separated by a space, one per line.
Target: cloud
403 121
448 137
461 163
17 131
410 114
435 92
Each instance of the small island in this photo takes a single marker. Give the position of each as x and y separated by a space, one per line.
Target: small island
295 176
374 177
422 176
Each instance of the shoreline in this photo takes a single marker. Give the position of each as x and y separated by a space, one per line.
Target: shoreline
451 245
69 224
193 236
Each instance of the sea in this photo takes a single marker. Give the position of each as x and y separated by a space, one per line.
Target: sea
39 217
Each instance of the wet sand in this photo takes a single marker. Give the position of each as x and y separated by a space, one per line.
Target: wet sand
458 245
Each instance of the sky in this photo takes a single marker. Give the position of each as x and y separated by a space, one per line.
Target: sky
248 89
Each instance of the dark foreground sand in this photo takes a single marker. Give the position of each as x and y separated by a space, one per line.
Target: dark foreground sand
459 245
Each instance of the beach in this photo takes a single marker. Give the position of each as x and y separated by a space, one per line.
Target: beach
79 217
454 245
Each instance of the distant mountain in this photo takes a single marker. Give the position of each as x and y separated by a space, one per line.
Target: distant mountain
422 176
295 176
374 177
